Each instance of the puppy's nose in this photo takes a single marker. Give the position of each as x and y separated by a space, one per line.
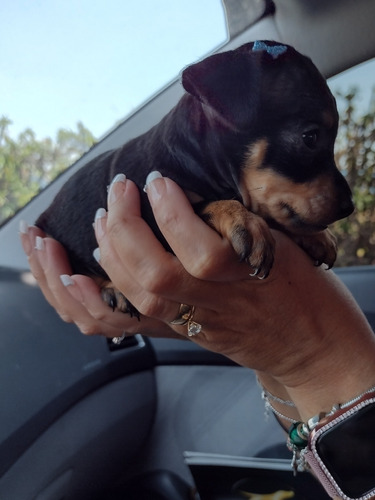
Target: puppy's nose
344 196
345 207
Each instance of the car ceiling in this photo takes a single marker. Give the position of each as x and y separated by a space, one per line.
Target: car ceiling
336 34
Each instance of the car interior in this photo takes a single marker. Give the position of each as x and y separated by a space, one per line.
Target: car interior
82 418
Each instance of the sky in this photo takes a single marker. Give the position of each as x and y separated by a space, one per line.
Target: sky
94 61
63 61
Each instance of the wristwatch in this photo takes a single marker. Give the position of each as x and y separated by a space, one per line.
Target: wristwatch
339 448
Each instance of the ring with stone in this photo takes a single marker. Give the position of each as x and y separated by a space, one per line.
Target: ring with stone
193 327
185 317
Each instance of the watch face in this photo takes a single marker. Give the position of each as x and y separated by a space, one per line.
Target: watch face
347 449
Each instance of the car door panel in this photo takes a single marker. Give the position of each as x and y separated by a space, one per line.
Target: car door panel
77 416
88 446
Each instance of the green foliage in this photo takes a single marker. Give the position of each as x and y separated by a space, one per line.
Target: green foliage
355 156
28 164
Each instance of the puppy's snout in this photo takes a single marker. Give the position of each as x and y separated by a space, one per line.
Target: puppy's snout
345 204
345 207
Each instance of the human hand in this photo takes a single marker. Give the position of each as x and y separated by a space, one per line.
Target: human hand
77 298
291 326
286 327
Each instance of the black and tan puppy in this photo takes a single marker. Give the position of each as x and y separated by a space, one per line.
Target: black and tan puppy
251 143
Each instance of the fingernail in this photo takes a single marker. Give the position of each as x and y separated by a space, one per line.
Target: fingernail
96 254
23 227
25 241
111 193
98 224
39 243
151 177
72 287
100 213
66 280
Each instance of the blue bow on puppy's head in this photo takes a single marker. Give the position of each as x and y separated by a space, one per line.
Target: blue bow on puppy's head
273 50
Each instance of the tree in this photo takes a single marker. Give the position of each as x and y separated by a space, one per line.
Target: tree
28 164
355 156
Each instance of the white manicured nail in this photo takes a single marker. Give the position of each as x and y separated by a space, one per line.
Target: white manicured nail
66 280
39 243
96 254
23 227
100 213
111 194
119 178
151 177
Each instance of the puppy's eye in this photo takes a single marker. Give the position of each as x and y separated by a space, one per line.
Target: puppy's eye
310 138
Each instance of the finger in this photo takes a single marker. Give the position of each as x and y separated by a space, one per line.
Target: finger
52 261
203 252
88 294
138 271
25 237
37 259
113 323
33 245
71 306
48 262
91 315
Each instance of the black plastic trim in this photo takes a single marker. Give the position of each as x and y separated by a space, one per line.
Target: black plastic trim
140 359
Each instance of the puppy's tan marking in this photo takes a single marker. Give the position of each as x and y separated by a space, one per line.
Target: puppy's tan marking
303 209
254 160
256 154
298 207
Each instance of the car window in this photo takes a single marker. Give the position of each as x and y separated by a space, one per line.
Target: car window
355 155
72 71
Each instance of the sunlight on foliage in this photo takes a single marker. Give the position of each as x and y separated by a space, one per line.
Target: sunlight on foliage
28 164
355 156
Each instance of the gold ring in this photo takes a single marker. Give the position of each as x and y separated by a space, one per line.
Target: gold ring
185 317
184 314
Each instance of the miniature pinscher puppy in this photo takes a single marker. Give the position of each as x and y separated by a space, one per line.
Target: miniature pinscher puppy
251 143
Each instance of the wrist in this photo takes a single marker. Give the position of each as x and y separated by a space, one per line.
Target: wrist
330 383
337 376
335 371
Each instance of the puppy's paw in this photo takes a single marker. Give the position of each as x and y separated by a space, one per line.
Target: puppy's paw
321 247
253 242
117 301
248 233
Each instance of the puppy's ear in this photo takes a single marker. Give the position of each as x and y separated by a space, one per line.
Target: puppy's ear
229 83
